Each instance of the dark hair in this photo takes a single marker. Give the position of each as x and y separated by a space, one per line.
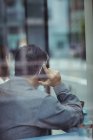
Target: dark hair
29 59
4 70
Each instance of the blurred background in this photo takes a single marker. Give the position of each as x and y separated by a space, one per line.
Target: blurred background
57 26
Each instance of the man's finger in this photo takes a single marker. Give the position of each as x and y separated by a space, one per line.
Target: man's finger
42 83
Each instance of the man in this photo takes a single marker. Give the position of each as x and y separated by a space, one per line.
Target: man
25 111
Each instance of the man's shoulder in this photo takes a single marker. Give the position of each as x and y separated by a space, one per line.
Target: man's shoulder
19 86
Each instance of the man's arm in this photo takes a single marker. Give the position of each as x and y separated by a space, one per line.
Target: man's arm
65 95
64 113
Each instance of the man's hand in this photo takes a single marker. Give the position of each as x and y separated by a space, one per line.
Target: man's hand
53 76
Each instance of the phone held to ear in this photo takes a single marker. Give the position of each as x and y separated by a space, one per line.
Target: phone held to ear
41 73
42 76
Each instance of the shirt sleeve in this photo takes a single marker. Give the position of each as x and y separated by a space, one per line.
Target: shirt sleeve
63 113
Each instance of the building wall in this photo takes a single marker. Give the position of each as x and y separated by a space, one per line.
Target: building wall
89 52
58 27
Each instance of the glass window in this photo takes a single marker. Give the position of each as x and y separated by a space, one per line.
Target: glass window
35 22
66 30
58 26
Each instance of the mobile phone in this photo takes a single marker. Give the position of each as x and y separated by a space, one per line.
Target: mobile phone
41 74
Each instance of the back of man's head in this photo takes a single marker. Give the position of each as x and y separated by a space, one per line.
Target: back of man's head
28 60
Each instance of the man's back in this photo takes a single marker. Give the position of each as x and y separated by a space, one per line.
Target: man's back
27 112
19 109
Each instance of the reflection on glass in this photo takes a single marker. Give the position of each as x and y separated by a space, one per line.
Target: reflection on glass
13 23
66 28
66 31
67 42
35 22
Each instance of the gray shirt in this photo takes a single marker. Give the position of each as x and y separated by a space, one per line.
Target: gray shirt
27 112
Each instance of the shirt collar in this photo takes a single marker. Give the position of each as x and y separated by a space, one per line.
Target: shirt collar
3 81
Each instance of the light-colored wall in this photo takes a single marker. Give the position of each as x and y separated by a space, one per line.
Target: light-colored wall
89 52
